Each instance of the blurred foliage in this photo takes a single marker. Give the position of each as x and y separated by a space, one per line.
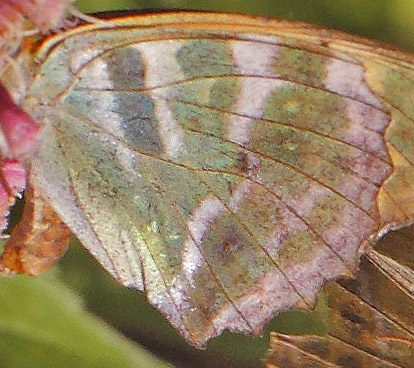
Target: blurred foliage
44 324
62 319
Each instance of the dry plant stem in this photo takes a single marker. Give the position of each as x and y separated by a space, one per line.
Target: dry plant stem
37 242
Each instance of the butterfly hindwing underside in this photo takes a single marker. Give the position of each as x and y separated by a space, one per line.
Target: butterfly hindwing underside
226 165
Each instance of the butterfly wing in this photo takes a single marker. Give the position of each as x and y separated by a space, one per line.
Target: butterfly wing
369 319
227 166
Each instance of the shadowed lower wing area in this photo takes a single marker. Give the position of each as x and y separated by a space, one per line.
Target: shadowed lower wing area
369 319
227 170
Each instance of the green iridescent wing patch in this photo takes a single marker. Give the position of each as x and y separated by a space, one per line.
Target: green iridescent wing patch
227 166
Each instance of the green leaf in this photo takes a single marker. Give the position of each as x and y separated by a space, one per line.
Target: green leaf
43 324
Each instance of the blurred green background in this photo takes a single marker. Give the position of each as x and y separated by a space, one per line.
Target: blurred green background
75 315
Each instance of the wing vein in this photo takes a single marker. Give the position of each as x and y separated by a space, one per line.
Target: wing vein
363 351
282 341
245 228
379 311
104 132
287 125
291 167
219 76
125 252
